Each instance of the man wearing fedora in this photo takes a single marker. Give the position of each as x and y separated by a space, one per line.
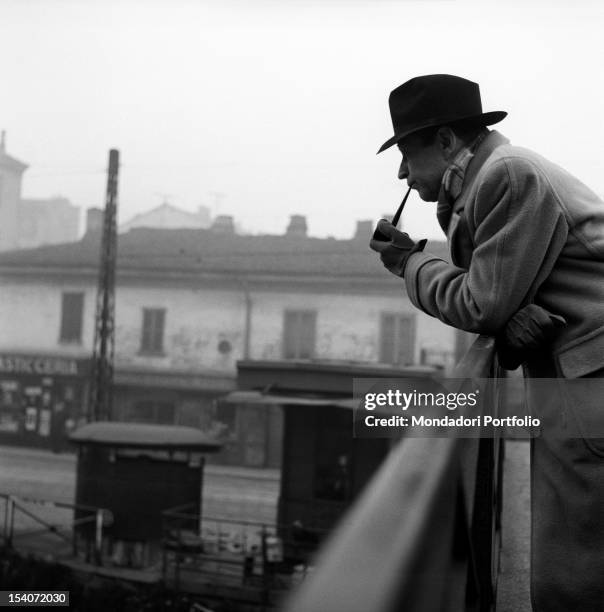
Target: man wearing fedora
526 241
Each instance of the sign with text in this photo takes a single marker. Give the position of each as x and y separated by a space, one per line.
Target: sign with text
471 408
43 365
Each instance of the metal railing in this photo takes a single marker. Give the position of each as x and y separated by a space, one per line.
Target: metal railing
37 517
252 558
424 536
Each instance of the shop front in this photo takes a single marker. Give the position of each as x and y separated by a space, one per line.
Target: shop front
251 435
42 398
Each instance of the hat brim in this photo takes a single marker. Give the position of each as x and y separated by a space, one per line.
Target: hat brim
485 119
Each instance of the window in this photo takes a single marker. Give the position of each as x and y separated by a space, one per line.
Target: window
152 338
397 339
299 327
72 311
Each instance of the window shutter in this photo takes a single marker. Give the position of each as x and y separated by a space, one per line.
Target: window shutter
152 337
387 339
299 334
397 339
307 329
406 340
72 311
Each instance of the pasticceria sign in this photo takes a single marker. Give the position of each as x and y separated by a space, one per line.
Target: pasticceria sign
43 365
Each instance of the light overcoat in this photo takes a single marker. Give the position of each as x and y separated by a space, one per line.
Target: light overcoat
523 228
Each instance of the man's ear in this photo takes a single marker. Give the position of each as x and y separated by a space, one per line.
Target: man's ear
447 142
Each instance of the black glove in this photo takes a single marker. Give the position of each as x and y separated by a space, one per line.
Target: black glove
529 330
394 247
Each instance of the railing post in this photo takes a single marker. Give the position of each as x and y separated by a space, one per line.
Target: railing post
98 537
9 510
74 541
265 569
4 530
11 529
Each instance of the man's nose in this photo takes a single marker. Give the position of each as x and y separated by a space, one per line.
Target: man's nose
403 171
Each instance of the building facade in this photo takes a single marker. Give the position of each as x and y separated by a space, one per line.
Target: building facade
11 173
47 221
189 305
166 216
28 222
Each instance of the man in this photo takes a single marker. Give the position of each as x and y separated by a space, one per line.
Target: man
527 247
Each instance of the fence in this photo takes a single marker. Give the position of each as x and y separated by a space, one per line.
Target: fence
238 559
40 522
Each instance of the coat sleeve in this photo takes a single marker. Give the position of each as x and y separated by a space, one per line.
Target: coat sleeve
519 230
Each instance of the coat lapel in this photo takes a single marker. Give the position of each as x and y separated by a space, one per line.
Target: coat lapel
489 144
459 235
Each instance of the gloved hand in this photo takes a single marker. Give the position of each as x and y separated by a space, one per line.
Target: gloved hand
394 247
529 330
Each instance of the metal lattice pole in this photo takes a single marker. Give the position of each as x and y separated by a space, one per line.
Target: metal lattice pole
101 383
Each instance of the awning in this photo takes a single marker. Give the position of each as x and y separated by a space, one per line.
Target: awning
257 397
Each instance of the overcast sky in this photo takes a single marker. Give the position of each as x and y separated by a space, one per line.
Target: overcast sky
263 109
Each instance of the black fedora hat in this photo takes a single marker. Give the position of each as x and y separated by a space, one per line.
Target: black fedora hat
435 99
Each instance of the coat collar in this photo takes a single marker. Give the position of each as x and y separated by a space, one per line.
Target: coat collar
446 208
483 152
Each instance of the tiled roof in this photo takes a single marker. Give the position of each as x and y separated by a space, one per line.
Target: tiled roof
198 250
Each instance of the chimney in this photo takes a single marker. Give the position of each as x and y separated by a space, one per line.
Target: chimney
94 222
223 224
297 226
364 230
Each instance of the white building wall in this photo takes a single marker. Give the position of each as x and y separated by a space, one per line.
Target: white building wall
348 326
197 320
30 317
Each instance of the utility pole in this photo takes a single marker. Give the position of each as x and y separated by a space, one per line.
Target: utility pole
101 382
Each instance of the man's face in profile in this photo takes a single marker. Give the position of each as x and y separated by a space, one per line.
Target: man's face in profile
423 165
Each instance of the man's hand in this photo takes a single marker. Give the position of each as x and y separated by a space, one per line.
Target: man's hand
531 329
394 247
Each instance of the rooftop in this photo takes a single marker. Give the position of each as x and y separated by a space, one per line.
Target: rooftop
136 435
202 250
166 216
